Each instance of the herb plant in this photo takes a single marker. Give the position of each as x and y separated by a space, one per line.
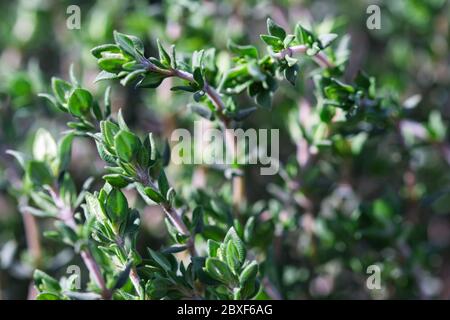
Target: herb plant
317 213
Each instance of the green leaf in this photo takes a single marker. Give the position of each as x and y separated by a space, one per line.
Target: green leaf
44 146
123 277
151 80
303 35
213 247
52 100
163 184
116 206
44 282
38 173
198 77
20 157
61 90
233 237
232 256
126 145
173 57
154 195
95 207
164 57
275 30
109 130
264 99
249 273
160 259
97 51
197 220
68 190
275 42
105 75
291 74
183 88
133 76
116 180
48 296
104 154
80 102
121 121
129 44
246 51
112 64
219 271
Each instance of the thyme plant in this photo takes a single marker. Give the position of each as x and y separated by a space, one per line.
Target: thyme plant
226 238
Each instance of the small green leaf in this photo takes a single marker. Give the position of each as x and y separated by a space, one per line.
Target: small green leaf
264 99
80 102
160 259
153 195
112 64
38 173
275 30
116 180
136 75
126 145
94 206
249 273
151 80
129 44
44 146
123 277
197 220
275 42
163 184
242 50
61 90
116 206
213 247
105 75
109 130
164 57
218 270
303 35
44 282
232 256
97 51
198 77
291 74
121 121
233 237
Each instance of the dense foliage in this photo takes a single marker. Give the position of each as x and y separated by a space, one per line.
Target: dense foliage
363 154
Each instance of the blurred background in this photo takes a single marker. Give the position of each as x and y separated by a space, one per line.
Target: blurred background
386 204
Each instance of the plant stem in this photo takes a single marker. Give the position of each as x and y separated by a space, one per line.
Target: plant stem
319 57
33 244
32 236
237 181
175 218
66 215
136 282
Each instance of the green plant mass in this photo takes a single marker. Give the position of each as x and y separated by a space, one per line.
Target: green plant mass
320 170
